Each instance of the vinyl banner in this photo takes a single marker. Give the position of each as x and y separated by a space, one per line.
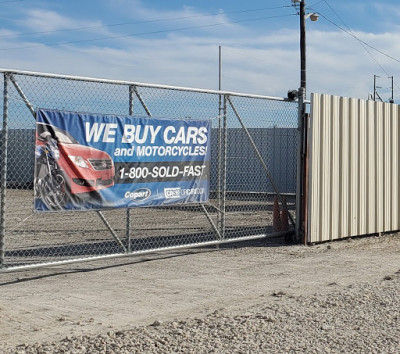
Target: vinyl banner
92 161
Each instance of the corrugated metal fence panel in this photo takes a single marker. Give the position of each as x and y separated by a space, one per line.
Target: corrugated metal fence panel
354 168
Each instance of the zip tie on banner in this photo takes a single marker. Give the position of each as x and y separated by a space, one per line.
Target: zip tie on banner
217 117
212 119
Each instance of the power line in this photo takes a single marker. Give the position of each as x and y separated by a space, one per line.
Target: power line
145 33
315 4
141 22
358 39
351 31
362 43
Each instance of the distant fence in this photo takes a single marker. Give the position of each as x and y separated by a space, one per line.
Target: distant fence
253 161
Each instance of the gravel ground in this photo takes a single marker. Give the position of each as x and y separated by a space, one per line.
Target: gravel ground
360 319
356 311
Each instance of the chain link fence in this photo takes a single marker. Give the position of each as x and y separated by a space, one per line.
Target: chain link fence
253 165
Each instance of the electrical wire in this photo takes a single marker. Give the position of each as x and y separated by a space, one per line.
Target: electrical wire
364 44
317 3
358 39
142 22
146 33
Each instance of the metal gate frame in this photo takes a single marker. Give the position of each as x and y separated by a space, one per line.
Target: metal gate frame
219 228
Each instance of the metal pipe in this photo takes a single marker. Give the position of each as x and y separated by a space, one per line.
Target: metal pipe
224 169
392 97
141 101
120 82
304 212
219 170
137 253
300 165
220 68
22 94
211 221
116 238
128 211
131 97
3 160
219 145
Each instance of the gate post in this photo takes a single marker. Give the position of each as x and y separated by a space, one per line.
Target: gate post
219 165
3 160
224 168
300 165
128 211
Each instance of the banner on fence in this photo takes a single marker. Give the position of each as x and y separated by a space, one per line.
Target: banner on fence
93 161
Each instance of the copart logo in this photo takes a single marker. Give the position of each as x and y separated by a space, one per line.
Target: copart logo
172 193
139 194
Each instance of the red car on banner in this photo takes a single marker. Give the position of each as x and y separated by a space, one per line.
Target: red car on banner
66 170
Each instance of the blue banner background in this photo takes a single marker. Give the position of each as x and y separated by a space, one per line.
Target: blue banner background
157 162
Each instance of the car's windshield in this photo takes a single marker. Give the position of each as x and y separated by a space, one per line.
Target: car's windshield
64 138
56 133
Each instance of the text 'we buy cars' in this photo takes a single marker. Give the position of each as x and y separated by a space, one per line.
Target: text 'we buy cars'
190 139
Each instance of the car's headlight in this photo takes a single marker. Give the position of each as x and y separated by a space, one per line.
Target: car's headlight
79 161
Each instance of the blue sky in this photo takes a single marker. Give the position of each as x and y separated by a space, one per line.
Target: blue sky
176 43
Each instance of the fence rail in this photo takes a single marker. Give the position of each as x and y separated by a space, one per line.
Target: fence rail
253 162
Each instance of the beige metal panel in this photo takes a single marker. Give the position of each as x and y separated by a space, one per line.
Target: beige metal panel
335 167
314 151
344 168
395 168
387 162
371 181
379 165
325 169
353 168
395 172
362 185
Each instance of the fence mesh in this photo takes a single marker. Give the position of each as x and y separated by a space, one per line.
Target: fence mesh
244 178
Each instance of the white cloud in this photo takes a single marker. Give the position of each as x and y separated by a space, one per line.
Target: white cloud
389 12
339 64
44 20
252 62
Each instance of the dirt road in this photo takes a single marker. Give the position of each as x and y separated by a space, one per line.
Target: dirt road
99 297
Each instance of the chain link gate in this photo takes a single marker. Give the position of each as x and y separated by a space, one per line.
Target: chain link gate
253 163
